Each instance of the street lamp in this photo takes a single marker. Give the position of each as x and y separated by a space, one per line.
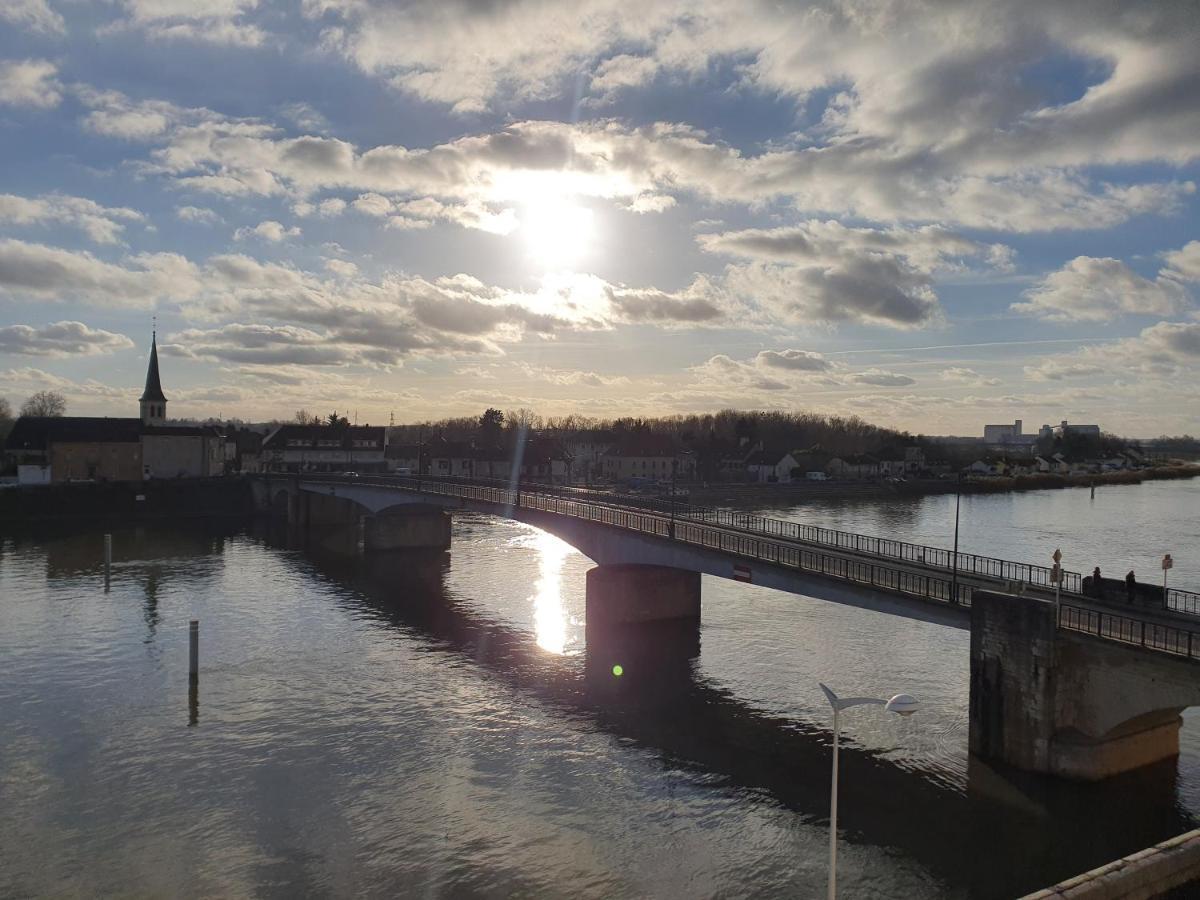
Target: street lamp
957 499
901 704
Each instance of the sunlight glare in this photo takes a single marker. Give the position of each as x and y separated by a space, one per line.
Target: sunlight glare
549 614
557 232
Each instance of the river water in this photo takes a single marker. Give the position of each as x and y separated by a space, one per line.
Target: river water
443 727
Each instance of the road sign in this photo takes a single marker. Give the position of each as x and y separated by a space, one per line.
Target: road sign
741 573
1167 562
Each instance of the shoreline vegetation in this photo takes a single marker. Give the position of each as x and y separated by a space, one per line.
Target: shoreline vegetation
1042 481
992 484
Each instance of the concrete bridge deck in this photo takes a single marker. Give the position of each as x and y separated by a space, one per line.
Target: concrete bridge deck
772 553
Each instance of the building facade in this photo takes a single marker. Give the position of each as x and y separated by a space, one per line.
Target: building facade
88 448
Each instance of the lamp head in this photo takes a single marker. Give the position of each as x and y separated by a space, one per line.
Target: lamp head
903 704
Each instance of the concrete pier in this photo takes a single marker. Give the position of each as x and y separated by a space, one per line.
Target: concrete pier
628 594
407 528
1068 704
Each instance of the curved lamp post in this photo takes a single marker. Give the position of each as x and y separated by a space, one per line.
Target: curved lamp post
901 704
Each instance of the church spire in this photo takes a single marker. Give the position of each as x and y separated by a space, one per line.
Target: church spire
153 402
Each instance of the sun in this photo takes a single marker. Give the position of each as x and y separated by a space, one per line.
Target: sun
557 231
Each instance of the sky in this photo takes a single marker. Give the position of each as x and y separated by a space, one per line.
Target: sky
932 215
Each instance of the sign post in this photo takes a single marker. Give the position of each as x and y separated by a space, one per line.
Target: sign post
1167 563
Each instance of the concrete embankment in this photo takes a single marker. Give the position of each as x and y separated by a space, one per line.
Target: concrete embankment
1152 872
185 498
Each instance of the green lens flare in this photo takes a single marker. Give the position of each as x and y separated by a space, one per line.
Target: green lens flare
618 670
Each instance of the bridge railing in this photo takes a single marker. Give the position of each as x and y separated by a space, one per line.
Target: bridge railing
775 551
917 554
1183 601
1128 630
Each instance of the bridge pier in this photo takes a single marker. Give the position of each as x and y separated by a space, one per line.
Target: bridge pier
630 594
407 529
1063 703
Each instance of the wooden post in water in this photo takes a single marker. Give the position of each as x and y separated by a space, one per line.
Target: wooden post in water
194 651
107 561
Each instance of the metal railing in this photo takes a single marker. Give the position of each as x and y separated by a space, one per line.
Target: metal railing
1183 601
1128 630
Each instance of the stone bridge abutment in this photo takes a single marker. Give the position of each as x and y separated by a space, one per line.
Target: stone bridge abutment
1064 703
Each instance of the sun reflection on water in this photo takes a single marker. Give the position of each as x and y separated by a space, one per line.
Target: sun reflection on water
549 613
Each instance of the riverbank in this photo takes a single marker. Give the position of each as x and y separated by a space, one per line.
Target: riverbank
804 490
190 498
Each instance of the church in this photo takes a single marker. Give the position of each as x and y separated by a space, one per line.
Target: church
89 448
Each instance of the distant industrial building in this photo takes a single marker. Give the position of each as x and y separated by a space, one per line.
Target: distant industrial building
1008 435
1012 436
50 449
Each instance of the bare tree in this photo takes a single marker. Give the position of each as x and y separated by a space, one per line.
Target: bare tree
45 403
6 417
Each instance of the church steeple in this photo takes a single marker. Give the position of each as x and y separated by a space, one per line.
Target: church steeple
153 402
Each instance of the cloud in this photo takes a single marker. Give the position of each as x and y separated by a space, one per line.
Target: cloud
198 214
36 15
863 289
1183 264
29 82
341 268
269 230
962 375
209 21
793 360
100 223
926 249
699 303
1166 348
60 339
1088 289
1060 369
880 378
36 270
570 377
921 117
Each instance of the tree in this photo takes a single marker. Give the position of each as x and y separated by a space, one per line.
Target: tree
334 421
6 417
490 425
304 417
45 403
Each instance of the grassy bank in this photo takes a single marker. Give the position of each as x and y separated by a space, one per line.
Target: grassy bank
1038 482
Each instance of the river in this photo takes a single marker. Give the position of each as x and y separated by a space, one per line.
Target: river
443 728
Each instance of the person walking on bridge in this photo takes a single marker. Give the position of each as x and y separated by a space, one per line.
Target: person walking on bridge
1097 587
1130 586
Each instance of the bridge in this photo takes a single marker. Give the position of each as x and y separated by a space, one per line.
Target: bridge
1073 688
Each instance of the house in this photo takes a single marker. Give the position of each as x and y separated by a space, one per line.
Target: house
84 448
544 459
404 458
75 448
771 465
646 455
585 451
325 448
859 466
243 449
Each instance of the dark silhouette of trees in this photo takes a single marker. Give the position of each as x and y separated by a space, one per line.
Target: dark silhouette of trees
45 403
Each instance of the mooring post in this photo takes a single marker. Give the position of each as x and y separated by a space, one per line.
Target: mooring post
107 561
194 651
